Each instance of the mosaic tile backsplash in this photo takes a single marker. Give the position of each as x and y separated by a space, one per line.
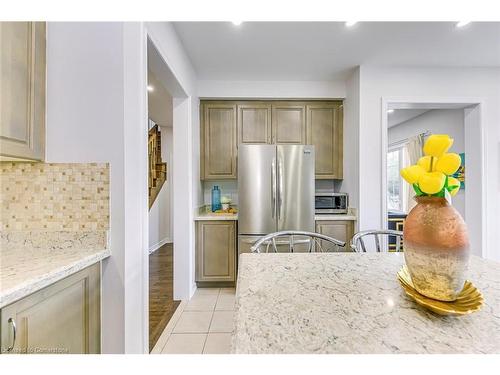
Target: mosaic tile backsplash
54 197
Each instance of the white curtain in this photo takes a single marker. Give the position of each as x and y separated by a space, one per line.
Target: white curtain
413 152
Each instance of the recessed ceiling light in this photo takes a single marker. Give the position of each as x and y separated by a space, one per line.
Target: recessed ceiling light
351 23
462 23
390 110
236 23
151 88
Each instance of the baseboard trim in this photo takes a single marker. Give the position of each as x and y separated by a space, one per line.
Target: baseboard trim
155 247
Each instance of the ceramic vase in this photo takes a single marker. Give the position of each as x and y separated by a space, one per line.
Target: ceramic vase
436 248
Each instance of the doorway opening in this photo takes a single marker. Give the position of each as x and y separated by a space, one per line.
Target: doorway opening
407 127
160 201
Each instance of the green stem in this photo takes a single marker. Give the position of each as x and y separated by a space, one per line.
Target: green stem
432 162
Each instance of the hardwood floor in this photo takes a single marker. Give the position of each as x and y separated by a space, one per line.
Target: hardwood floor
161 302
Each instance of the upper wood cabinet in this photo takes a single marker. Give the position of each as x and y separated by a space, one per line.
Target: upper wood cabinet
289 123
61 318
218 141
325 132
254 123
22 87
225 124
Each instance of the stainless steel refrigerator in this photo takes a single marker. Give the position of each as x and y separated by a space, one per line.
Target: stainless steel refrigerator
275 191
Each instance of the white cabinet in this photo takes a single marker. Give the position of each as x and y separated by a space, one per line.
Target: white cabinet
61 318
22 88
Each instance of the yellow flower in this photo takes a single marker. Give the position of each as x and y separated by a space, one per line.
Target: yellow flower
412 173
448 163
431 182
437 144
425 162
452 181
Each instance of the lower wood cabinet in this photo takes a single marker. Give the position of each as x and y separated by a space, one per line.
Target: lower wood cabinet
215 251
61 318
342 230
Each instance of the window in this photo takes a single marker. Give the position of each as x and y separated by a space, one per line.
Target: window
395 187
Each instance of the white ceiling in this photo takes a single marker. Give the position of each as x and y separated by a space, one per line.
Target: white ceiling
159 102
402 115
329 50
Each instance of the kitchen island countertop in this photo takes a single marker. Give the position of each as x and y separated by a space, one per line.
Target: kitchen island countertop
352 303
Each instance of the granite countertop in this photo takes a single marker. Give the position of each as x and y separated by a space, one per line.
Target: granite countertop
205 213
26 267
334 217
212 216
350 215
352 303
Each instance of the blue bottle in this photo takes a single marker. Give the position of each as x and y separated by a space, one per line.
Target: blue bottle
216 205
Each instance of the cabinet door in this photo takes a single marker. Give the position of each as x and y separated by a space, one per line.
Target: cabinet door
22 87
216 251
219 141
289 123
254 123
342 230
61 318
324 131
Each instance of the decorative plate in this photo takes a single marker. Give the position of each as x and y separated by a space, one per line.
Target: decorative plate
468 301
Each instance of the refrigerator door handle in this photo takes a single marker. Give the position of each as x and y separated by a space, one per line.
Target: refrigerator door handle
273 187
280 186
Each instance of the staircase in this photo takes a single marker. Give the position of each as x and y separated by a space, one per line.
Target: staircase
157 168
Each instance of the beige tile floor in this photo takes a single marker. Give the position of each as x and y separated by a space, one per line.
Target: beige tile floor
202 325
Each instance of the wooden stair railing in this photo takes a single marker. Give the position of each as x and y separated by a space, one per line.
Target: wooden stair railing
157 168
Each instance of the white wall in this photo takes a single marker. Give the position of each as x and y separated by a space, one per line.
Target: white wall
272 89
350 183
94 115
187 189
437 121
228 188
378 83
135 139
160 213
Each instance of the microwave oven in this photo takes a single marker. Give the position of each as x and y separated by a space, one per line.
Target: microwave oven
331 203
